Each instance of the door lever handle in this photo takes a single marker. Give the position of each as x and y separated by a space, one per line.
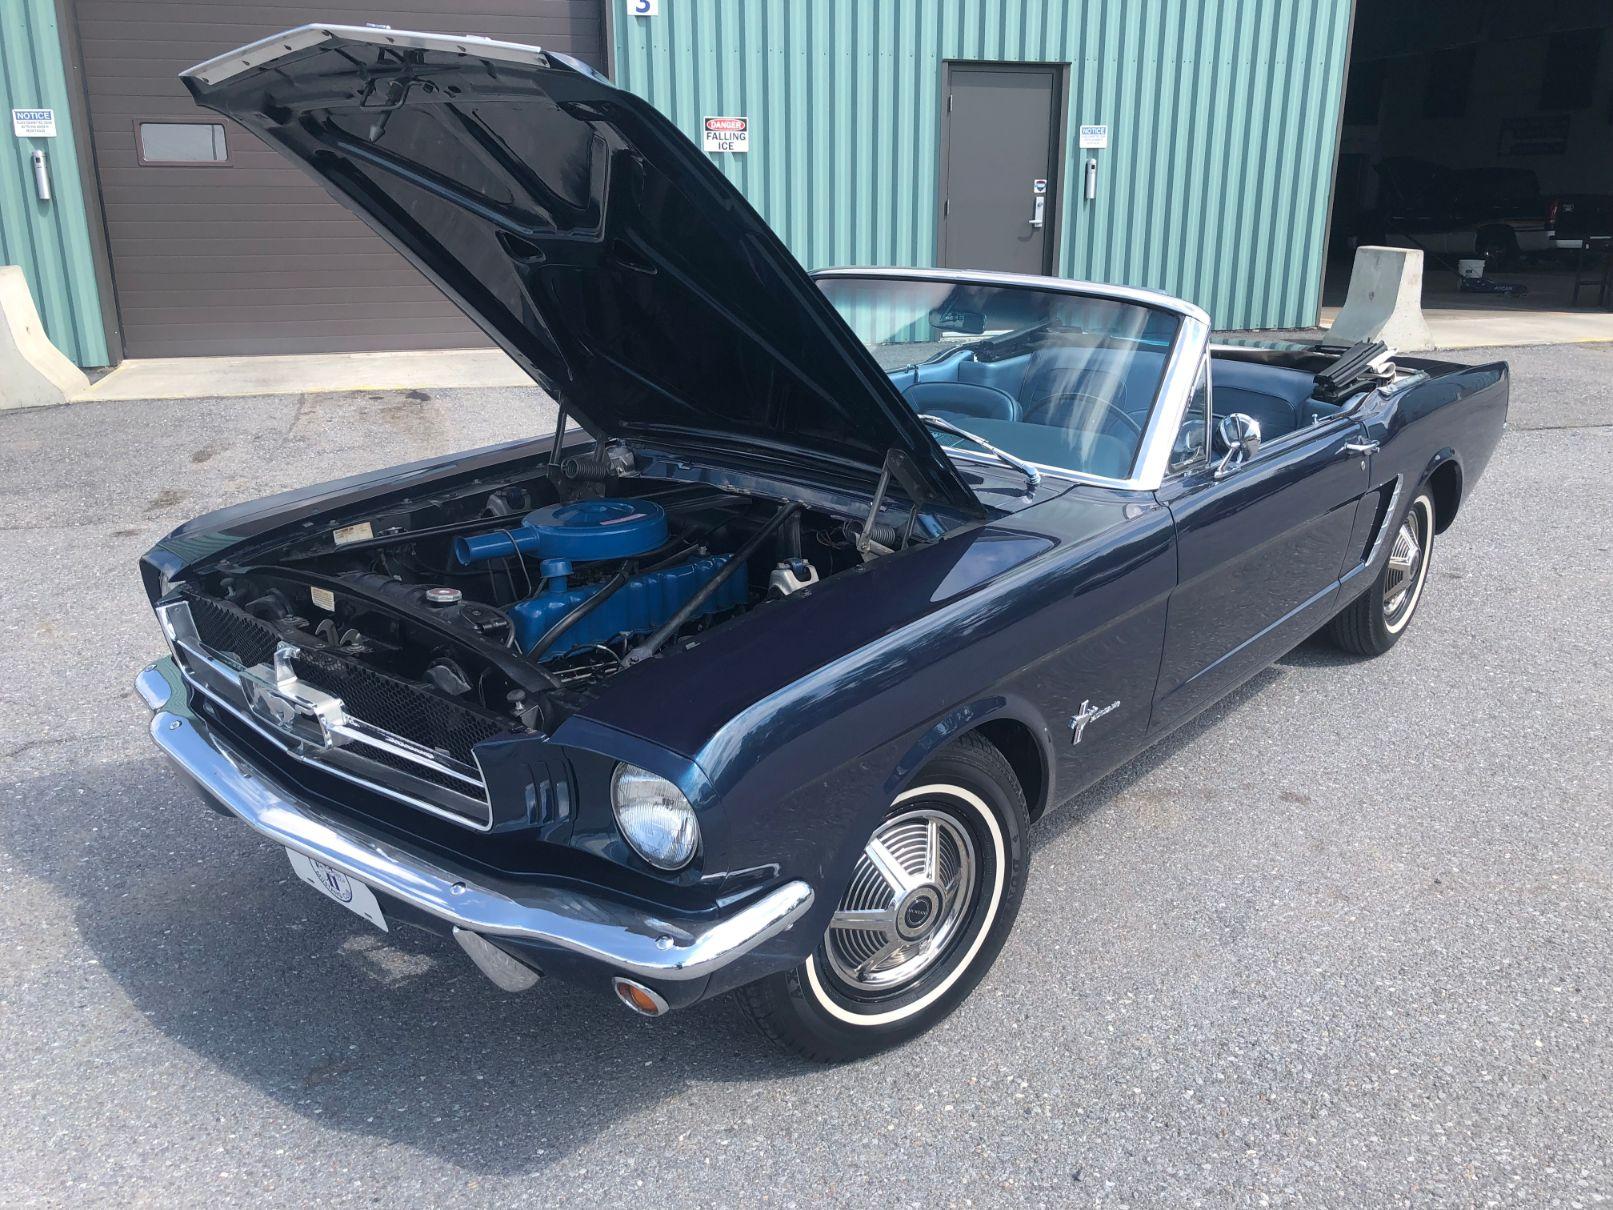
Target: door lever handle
1037 209
1360 447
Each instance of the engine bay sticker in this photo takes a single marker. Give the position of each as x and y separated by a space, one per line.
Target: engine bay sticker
362 532
323 598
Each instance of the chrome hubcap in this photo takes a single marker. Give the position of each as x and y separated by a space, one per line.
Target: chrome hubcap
909 895
1405 559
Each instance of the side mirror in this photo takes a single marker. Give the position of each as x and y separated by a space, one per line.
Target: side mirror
1239 436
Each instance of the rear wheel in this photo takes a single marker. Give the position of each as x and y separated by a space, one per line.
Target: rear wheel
931 901
1374 621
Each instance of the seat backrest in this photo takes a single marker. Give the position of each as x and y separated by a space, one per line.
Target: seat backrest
1273 396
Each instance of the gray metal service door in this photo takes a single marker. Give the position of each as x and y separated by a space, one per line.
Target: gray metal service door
219 245
999 167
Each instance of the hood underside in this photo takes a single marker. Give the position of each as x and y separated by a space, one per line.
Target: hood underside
585 235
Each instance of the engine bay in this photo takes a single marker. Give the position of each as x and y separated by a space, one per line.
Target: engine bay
524 598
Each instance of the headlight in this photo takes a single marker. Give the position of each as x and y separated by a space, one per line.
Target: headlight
655 817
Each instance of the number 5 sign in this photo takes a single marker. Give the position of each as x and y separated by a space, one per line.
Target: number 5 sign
644 8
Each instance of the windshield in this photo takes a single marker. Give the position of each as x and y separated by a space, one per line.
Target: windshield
1062 380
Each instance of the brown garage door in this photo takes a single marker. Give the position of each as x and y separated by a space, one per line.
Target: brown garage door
217 244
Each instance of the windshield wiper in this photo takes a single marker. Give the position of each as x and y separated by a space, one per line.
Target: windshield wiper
1033 477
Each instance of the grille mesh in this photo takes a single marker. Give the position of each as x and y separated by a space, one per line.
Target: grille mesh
426 773
388 702
397 706
226 630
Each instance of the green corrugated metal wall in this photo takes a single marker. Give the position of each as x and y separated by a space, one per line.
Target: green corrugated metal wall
1223 118
50 240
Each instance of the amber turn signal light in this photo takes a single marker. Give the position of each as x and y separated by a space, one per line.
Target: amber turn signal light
638 997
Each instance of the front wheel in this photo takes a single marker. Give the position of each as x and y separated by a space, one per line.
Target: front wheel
1374 621
932 898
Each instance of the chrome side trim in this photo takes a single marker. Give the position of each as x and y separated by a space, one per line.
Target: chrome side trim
267 50
1388 521
619 937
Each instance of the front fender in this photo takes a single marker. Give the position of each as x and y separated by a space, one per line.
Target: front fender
970 717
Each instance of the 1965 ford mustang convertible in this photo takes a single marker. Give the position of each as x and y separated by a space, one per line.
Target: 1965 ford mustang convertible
755 677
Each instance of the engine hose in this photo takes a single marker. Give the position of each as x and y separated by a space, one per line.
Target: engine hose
885 535
693 605
588 470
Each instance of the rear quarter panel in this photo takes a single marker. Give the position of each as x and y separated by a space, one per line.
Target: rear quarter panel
1457 414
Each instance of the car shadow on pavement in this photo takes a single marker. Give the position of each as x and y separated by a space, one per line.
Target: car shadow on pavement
393 1036
396 1036
1106 790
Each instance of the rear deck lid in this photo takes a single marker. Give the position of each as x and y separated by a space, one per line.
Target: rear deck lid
585 234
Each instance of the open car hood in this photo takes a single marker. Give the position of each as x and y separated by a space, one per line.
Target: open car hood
586 235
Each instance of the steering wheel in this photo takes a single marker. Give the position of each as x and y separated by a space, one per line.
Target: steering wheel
1048 402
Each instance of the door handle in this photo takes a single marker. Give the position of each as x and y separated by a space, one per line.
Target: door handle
1037 207
1360 447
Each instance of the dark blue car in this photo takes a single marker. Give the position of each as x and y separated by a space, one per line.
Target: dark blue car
755 676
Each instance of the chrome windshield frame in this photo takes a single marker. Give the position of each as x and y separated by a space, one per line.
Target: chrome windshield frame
1192 342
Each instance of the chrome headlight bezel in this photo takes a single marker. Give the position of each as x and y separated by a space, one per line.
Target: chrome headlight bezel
654 818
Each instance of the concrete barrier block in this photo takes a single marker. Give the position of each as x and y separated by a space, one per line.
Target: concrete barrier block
33 372
1385 301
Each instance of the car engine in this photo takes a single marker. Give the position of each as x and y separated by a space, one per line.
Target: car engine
521 599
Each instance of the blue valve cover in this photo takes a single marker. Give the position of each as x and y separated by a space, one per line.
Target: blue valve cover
638 607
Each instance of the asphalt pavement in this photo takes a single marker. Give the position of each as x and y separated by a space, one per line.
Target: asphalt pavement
1345 941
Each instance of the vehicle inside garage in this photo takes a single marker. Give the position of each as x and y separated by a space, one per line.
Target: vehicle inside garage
1481 132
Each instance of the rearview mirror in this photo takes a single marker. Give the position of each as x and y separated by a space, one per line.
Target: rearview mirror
1239 436
955 319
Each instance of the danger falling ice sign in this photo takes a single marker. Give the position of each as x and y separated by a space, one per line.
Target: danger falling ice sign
726 134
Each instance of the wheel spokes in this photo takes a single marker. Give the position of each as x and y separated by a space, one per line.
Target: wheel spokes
868 920
907 899
892 944
1402 565
891 869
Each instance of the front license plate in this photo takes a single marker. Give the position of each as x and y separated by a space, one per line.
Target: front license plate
333 884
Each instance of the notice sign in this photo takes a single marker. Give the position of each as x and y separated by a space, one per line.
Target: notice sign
33 123
1095 136
727 134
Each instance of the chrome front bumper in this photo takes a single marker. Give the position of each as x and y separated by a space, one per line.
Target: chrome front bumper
618 937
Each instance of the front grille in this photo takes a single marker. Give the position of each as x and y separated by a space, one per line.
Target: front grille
394 705
391 734
437 777
380 699
226 630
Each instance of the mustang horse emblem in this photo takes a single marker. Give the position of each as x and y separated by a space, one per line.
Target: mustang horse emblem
1085 715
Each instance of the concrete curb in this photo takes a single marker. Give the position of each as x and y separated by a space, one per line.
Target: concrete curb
33 372
306 373
1385 300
